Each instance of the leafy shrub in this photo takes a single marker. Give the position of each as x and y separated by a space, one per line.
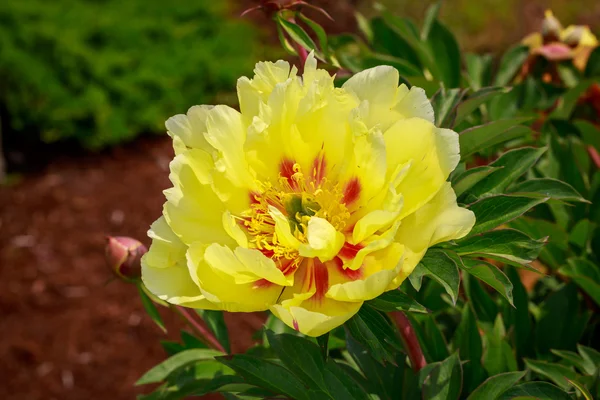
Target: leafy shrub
103 71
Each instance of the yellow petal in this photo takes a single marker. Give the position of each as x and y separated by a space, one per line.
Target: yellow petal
376 85
433 153
413 102
222 290
282 229
378 271
164 269
190 128
324 241
316 319
234 230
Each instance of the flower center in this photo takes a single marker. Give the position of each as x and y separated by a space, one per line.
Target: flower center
298 198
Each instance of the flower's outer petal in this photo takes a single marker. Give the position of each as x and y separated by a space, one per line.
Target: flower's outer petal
377 272
434 153
376 242
193 210
190 128
324 241
222 290
316 318
438 221
226 133
243 265
582 32
533 40
234 230
413 103
164 269
377 85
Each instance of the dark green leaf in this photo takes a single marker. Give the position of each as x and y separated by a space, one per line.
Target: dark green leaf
468 342
150 307
284 42
396 300
512 165
499 356
485 136
475 100
586 393
444 381
374 331
506 245
432 340
323 342
568 101
300 356
297 34
445 53
215 321
494 211
319 31
341 385
431 16
557 373
478 70
590 133
590 355
494 386
483 305
163 370
266 374
470 177
576 360
511 62
439 266
592 68
444 104
518 317
491 275
547 187
585 274
535 390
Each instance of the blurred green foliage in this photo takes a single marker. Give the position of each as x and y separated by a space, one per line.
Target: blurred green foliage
104 71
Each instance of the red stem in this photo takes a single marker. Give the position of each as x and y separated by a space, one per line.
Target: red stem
594 155
410 340
198 328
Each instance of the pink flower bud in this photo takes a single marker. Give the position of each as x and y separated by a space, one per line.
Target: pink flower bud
123 255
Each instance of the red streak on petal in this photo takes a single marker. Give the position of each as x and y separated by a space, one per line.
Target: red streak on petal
347 272
320 278
348 251
286 168
351 191
319 167
262 283
253 196
267 252
295 322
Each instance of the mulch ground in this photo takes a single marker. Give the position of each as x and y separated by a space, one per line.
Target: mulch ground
68 330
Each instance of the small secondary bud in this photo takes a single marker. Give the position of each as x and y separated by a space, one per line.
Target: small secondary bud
551 28
123 255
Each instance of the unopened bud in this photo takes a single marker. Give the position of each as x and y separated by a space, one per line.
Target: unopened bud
551 28
123 255
574 35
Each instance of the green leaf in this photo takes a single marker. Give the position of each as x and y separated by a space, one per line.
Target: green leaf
506 245
445 53
266 374
557 373
374 331
576 360
396 300
547 187
300 356
494 386
590 133
323 342
485 136
494 211
432 340
536 390
475 100
510 63
590 355
483 305
512 165
586 394
150 307
319 31
518 317
284 42
585 274
478 70
592 68
467 341
161 371
444 104
499 356
549 334
470 177
491 275
431 16
568 101
439 266
341 385
444 380
297 34
215 321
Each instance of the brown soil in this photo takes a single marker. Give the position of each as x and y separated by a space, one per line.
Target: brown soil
69 332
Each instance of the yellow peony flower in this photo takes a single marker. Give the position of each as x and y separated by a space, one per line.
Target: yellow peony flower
308 202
